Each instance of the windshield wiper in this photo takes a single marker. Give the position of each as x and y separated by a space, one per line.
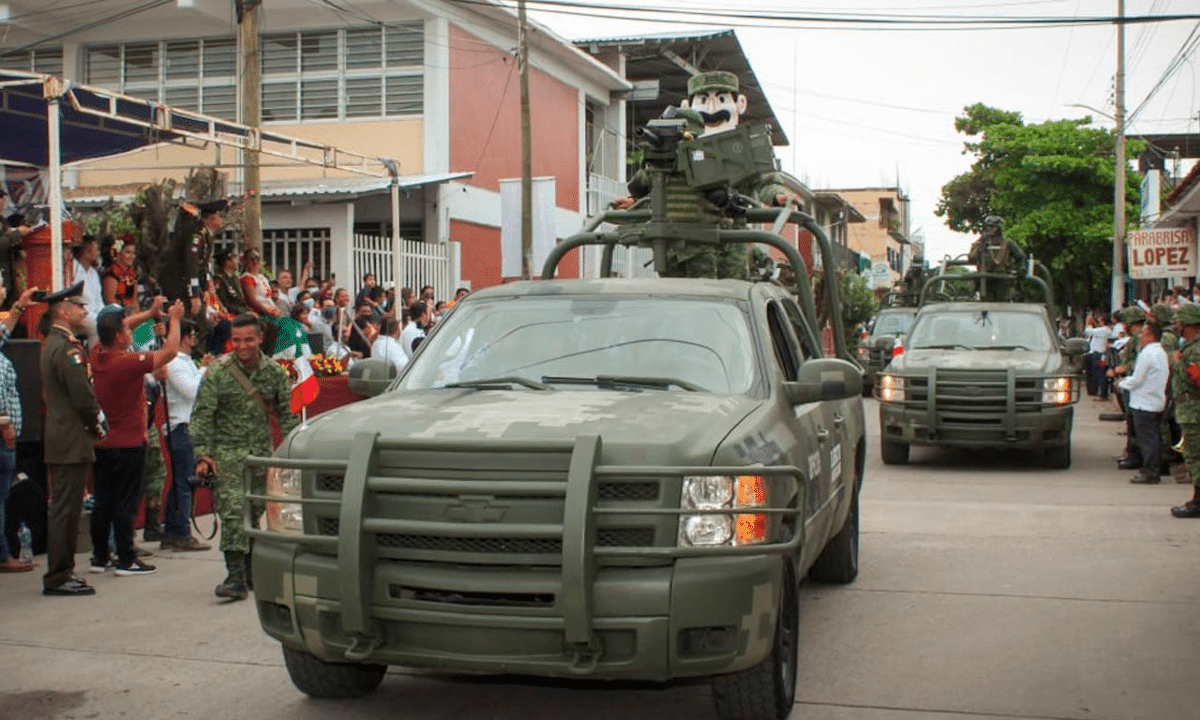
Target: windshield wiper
610 382
1007 347
949 346
500 383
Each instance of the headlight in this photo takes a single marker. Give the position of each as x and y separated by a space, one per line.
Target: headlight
284 517
716 492
1058 390
862 351
891 388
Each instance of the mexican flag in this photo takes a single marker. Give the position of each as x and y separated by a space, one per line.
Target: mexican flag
305 390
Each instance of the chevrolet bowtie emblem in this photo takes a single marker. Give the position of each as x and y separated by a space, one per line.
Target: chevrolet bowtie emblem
481 509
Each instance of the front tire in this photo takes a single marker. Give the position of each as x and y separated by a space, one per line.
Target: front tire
894 453
320 679
766 691
1058 457
838 562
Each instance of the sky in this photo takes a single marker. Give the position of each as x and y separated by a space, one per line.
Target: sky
876 106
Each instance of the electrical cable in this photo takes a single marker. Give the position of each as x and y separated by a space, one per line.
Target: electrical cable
116 17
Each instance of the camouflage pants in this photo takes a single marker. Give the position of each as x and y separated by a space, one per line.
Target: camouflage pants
156 470
707 261
1191 450
229 498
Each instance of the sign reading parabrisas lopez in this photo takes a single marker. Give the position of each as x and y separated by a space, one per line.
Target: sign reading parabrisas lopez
1166 252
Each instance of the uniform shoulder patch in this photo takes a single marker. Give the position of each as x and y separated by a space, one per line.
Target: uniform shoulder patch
1193 373
75 357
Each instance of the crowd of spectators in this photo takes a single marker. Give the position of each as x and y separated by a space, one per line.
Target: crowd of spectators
146 361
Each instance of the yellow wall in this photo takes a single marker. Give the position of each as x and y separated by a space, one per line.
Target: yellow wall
402 140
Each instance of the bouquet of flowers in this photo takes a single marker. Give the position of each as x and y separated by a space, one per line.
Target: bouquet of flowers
290 366
326 365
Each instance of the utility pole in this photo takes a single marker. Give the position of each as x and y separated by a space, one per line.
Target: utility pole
526 147
1118 256
250 90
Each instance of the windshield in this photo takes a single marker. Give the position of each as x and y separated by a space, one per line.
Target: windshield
586 342
893 323
981 330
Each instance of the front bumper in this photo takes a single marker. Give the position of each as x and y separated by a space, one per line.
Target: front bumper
976 409
697 617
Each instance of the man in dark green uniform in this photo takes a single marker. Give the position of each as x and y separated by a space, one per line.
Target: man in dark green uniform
1185 388
994 253
74 422
230 421
1164 317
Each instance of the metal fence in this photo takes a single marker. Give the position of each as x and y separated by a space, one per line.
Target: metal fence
289 249
421 263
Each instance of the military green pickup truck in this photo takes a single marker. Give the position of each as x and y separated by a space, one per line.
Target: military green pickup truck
977 374
598 479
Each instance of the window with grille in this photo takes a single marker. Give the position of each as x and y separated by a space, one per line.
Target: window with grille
306 75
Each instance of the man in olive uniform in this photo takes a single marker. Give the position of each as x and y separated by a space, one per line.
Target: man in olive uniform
74 423
994 253
1133 318
1185 388
230 421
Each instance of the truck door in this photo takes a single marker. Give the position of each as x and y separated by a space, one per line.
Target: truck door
808 427
832 433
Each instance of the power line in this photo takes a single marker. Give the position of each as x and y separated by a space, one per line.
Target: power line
846 19
116 17
1189 46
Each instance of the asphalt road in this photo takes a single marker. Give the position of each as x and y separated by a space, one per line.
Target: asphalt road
990 588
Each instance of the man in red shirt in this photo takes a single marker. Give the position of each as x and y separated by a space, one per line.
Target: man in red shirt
119 379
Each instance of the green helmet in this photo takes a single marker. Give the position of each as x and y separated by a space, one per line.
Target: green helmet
1160 314
1132 315
1188 314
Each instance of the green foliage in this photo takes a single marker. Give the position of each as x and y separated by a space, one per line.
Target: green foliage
1053 184
858 303
111 220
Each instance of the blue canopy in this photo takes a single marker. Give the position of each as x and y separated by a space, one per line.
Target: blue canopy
93 123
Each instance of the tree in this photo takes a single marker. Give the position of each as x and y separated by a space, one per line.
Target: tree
1053 185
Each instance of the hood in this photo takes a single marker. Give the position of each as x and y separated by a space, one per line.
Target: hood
634 427
1027 361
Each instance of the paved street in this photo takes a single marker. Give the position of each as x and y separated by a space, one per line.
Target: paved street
990 588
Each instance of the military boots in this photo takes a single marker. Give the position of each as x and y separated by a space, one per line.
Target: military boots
234 587
1191 508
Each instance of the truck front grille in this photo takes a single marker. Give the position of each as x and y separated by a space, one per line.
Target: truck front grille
975 396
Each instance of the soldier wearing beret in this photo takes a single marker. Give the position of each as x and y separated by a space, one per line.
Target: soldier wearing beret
1185 386
75 415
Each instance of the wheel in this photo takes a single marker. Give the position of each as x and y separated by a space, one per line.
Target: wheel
838 562
894 453
1058 456
316 678
766 691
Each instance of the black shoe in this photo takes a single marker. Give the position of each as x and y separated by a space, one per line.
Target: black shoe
151 534
232 589
74 586
1190 509
1144 480
1129 465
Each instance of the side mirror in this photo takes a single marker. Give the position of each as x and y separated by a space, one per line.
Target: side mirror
824 379
1075 346
371 377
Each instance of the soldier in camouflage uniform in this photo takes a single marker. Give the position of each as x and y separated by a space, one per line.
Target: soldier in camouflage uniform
1185 387
1133 318
994 253
229 423
714 105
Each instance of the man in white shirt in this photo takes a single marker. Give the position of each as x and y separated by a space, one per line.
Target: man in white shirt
415 329
1147 388
182 379
387 345
86 265
1098 334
